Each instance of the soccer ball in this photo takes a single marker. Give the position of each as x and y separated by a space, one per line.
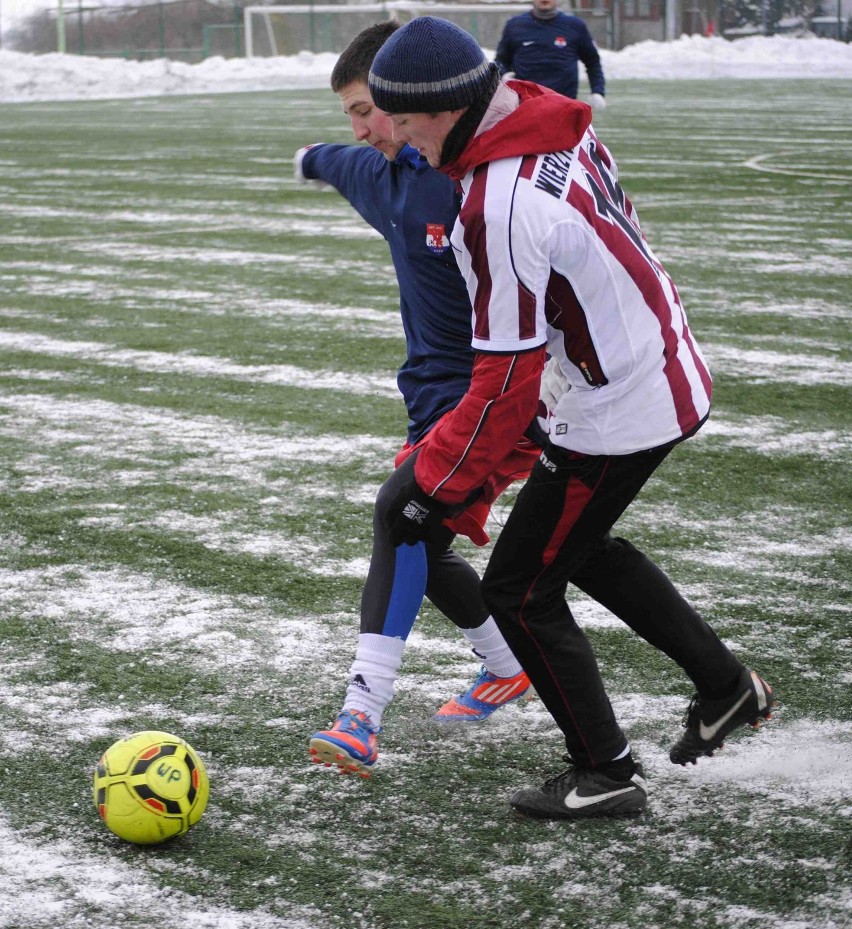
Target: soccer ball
150 787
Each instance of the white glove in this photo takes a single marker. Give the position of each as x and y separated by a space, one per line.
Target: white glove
553 385
508 76
298 158
597 102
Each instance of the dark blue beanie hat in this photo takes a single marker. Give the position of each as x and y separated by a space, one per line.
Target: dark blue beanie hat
428 66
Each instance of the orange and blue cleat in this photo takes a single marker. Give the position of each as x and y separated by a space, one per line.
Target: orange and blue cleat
485 695
351 744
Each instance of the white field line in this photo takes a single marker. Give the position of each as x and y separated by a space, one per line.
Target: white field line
757 163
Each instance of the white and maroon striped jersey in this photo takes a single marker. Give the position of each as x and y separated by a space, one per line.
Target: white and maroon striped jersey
552 252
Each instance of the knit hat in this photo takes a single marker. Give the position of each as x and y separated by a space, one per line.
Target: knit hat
430 65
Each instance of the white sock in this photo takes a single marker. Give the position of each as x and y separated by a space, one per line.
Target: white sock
489 645
372 675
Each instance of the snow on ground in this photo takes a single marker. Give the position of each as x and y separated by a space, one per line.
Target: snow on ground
25 77
46 883
804 763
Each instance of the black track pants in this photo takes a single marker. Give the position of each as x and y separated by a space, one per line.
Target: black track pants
558 532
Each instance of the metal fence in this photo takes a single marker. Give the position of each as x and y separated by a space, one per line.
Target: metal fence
187 30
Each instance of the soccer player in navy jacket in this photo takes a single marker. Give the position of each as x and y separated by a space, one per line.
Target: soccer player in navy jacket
414 207
545 45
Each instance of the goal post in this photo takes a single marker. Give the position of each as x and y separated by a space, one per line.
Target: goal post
288 30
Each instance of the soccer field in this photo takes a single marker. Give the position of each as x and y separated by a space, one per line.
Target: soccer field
198 405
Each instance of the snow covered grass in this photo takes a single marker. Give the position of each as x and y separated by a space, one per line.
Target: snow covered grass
197 407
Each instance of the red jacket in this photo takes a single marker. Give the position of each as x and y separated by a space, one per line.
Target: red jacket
502 400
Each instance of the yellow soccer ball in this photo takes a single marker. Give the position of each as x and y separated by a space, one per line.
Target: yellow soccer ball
150 787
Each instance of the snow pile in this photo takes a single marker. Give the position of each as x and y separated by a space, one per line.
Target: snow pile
76 77
73 77
755 57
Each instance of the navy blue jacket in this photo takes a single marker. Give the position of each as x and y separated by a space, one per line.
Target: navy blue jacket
546 51
414 208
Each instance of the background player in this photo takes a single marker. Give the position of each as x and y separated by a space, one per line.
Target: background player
545 45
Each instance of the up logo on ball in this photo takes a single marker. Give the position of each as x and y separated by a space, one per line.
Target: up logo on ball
171 779
149 787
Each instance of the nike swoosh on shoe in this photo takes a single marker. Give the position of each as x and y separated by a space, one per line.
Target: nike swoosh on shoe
707 733
575 802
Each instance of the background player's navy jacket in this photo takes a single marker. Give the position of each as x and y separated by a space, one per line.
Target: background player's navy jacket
414 208
546 52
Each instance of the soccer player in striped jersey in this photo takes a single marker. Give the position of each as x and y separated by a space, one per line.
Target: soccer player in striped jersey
556 262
